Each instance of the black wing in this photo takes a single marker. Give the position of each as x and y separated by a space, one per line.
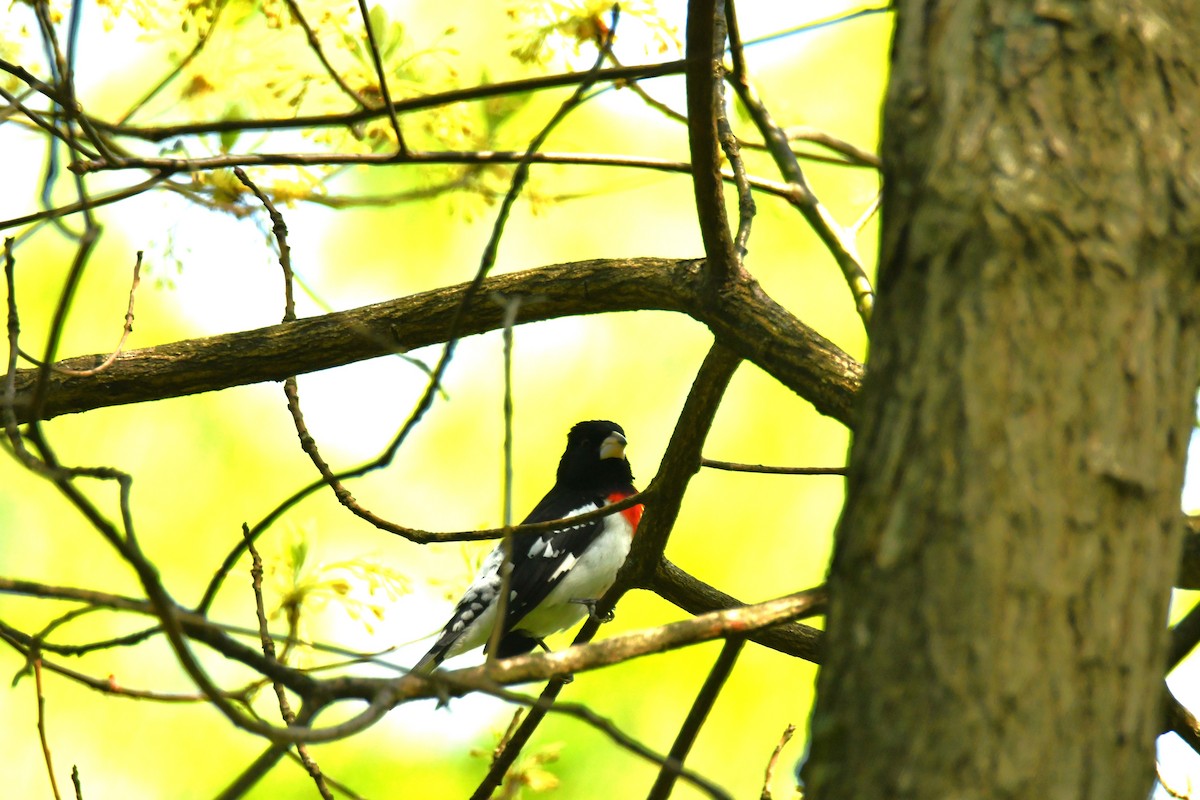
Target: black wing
534 567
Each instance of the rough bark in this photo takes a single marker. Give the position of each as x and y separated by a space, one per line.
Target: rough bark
747 321
1002 569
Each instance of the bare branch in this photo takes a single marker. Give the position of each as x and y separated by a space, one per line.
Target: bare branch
769 775
381 76
125 331
87 203
704 49
1189 565
680 462
41 726
482 92
853 154
579 658
703 704
314 44
750 323
835 237
696 597
730 466
268 648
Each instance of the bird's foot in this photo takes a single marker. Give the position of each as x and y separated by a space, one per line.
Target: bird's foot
590 605
441 691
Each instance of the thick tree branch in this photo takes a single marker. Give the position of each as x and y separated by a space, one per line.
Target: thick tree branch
741 621
749 322
697 597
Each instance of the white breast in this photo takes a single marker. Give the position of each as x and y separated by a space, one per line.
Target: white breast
587 577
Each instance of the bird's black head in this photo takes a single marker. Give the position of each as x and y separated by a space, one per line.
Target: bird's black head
595 457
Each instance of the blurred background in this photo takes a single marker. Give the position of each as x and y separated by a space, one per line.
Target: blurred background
206 464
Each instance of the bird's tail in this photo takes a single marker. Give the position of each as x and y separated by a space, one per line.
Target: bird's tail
430 661
437 654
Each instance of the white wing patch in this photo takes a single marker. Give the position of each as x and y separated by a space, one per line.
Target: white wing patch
583 577
564 567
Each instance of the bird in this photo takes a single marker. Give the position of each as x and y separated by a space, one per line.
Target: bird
557 576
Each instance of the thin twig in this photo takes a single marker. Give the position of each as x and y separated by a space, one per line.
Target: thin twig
697 597
690 729
867 214
480 92
781 189
729 145
268 648
314 44
512 306
732 466
854 156
41 726
37 119
76 782
13 328
705 44
839 243
88 203
29 79
769 775
73 110
106 685
279 230
508 734
332 783
125 331
850 156
377 59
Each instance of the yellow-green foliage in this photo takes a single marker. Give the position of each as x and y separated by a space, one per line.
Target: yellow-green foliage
204 465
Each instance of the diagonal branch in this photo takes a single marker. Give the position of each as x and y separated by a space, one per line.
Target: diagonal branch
732 622
703 704
837 239
697 597
680 462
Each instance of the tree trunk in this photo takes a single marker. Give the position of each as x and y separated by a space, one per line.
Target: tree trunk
1003 565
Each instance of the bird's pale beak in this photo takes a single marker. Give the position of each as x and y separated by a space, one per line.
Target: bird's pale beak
613 446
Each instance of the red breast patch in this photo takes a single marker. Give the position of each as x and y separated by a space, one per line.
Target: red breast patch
633 513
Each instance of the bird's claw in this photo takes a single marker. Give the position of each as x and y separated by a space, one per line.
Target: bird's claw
590 605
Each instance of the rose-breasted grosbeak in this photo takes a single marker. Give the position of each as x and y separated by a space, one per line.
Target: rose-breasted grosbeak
556 576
